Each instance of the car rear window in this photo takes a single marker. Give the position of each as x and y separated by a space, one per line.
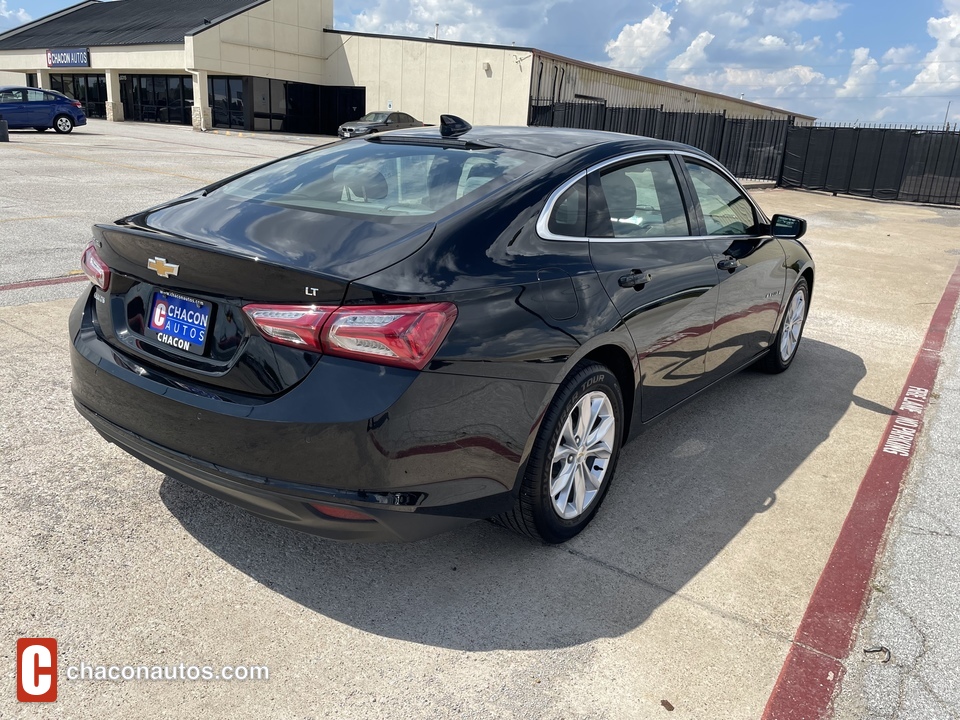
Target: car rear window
383 180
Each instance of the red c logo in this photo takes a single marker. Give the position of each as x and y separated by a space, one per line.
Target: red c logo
37 670
159 321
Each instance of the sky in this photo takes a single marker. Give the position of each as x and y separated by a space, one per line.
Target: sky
877 61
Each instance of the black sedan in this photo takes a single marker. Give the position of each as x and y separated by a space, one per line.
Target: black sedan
377 122
388 338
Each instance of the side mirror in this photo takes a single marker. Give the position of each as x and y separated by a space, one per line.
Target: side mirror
788 227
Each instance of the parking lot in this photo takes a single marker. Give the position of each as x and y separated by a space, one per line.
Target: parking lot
681 599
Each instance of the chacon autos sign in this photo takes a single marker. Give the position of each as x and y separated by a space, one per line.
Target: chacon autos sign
68 57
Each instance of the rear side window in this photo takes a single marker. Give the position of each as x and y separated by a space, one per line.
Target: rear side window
643 201
37 96
382 179
725 210
569 216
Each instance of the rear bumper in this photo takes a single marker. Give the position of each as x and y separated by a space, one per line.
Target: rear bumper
419 452
290 505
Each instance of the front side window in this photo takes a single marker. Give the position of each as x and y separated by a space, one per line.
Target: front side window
643 201
383 180
11 96
725 210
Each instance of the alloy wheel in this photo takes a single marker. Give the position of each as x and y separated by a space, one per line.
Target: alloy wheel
582 455
793 326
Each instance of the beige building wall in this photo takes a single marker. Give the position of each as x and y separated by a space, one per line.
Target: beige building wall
280 39
425 78
560 80
156 58
12 78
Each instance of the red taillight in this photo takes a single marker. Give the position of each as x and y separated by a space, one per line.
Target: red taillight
294 325
77 104
95 268
402 335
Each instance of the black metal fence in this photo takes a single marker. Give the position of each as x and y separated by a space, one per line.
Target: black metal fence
750 147
888 163
912 164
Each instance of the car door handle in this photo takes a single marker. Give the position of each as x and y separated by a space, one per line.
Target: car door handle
636 280
728 263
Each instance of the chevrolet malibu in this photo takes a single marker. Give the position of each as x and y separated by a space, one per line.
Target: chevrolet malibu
386 338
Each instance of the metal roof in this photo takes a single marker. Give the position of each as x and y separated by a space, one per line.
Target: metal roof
124 22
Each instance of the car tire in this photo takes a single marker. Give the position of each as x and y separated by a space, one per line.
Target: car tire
787 340
63 124
41 129
564 484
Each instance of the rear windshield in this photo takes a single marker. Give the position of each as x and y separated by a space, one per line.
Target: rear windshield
383 180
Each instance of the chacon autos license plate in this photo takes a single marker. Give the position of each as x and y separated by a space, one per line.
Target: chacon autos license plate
179 321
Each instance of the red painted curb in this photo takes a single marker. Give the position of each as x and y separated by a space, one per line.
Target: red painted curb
810 675
41 283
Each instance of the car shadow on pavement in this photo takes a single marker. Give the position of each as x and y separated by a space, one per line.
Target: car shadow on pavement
684 489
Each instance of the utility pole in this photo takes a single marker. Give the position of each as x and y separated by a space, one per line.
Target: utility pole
946 116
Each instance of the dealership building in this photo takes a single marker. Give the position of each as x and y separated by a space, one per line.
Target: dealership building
280 65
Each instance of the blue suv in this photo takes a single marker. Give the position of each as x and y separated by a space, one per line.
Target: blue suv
26 107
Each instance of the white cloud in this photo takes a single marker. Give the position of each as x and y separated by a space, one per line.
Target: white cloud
941 72
863 75
641 42
775 44
694 55
735 20
17 16
809 45
899 55
793 12
771 42
454 17
757 81
883 112
489 21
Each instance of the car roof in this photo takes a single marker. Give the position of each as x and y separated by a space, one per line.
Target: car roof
27 87
553 142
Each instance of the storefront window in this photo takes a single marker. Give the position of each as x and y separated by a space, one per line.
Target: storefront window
91 90
272 104
157 98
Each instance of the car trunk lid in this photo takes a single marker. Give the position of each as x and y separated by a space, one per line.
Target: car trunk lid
204 258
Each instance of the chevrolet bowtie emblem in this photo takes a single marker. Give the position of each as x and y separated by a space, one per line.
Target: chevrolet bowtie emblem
160 267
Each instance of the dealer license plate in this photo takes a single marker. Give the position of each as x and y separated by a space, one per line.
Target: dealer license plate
179 321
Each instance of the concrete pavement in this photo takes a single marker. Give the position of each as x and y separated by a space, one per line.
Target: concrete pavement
914 609
681 599
54 187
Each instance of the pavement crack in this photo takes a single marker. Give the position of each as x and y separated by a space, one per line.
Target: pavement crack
759 627
21 330
916 530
